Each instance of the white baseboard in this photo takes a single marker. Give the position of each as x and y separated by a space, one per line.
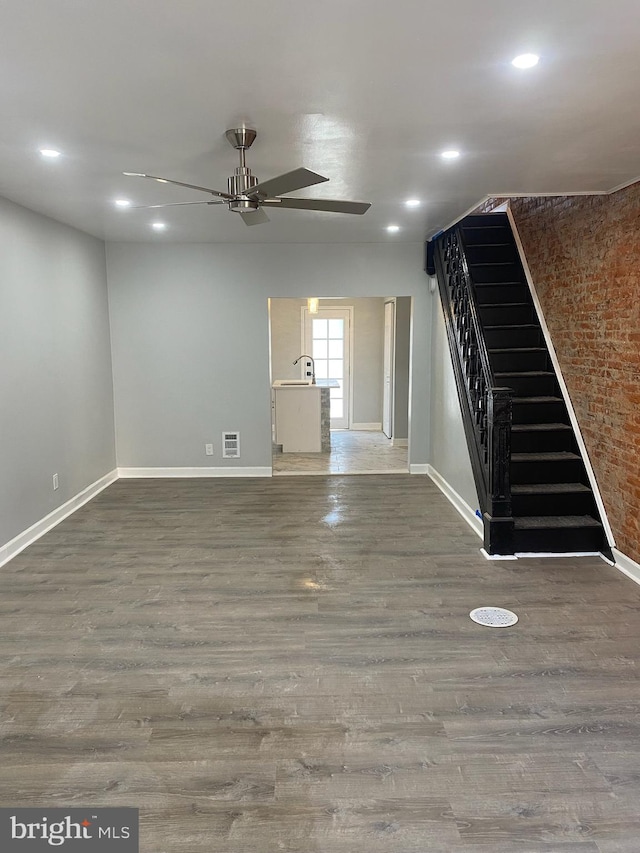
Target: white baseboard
370 427
399 442
626 565
418 468
146 473
458 502
494 557
31 534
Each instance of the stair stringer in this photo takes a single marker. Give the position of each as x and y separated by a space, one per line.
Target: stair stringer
561 382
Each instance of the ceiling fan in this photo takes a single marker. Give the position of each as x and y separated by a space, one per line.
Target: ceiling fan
248 197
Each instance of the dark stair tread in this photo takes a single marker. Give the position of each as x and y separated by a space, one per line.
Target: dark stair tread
549 489
524 373
539 427
550 456
507 304
544 398
504 326
517 349
554 521
485 245
491 263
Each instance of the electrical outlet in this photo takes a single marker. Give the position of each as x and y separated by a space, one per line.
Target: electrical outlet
208 449
56 484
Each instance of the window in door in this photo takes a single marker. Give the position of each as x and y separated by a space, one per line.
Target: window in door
327 340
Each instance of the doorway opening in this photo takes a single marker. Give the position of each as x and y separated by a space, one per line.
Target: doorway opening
358 350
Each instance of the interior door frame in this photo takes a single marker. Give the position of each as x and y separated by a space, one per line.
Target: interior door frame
349 309
389 357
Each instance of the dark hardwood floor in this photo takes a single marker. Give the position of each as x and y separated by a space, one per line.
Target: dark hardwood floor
288 664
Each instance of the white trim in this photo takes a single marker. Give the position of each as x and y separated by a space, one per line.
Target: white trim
627 566
31 534
399 442
527 555
368 427
340 473
507 195
418 468
152 473
493 557
563 388
458 502
623 186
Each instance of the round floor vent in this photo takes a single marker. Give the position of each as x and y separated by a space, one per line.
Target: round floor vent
493 617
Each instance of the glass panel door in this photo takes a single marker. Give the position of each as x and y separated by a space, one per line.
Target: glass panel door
327 340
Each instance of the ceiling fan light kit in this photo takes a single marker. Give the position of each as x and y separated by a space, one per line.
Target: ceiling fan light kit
247 196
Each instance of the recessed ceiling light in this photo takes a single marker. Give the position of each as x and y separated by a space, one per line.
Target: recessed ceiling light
50 152
413 202
525 60
451 154
162 181
122 202
393 228
158 226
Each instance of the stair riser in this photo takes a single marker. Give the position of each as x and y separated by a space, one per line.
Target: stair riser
559 541
539 413
490 273
495 294
486 220
506 315
529 386
518 361
565 471
491 254
475 236
516 337
543 442
552 504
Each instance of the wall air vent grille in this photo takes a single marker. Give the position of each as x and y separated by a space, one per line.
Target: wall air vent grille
230 445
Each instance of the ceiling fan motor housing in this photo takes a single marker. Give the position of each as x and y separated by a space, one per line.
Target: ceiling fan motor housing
240 183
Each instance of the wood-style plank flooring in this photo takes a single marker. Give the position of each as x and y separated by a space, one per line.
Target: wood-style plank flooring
352 452
288 664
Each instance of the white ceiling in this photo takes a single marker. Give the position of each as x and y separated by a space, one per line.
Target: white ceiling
366 92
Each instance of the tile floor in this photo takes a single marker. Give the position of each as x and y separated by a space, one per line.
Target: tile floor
352 452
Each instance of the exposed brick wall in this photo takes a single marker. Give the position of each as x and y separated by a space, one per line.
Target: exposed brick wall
584 255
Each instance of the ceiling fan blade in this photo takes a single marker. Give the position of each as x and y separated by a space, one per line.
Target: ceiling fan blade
171 204
178 184
328 204
287 183
254 217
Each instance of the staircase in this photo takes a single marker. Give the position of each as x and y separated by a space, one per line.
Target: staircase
552 505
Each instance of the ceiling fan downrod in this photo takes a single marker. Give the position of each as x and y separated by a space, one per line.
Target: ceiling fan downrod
242 180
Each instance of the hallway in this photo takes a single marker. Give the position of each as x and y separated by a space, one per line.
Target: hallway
352 452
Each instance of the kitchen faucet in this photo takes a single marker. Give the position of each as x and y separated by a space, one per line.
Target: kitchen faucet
313 366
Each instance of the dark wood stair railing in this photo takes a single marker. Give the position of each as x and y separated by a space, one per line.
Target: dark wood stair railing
486 407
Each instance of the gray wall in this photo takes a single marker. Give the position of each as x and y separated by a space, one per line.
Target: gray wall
190 339
402 347
56 390
449 454
368 333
